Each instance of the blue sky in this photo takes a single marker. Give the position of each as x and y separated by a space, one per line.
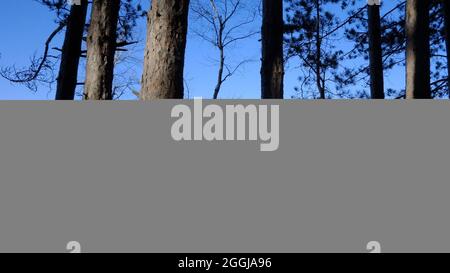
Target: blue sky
29 23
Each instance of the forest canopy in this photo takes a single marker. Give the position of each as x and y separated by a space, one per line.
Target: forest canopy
269 49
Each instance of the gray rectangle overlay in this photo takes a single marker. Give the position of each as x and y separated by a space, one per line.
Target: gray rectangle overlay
109 176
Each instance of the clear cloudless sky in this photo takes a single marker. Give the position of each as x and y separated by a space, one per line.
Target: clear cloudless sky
26 25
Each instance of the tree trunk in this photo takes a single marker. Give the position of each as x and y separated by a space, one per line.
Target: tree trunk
447 39
417 49
320 87
221 48
71 52
101 49
165 50
375 52
220 73
272 71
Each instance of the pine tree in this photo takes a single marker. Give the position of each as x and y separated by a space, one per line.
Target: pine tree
446 7
71 52
375 52
310 28
165 50
417 49
101 49
272 71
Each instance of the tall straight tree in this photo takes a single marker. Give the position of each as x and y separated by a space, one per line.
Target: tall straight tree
71 52
320 82
417 49
375 52
447 38
272 70
165 50
101 49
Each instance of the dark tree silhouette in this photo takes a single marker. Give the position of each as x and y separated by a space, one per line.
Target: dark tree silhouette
272 70
376 55
417 49
71 52
446 8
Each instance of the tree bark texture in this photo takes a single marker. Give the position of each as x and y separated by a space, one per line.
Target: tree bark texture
165 50
417 49
101 49
71 52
